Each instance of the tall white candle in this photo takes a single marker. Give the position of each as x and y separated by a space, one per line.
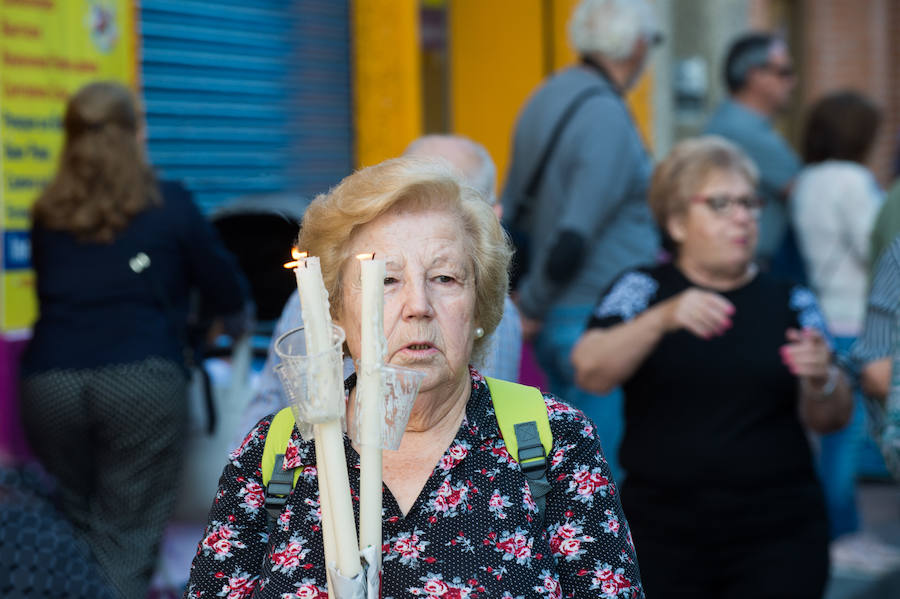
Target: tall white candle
328 540
317 331
314 305
370 395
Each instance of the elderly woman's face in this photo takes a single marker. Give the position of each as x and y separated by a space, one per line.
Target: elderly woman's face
429 293
719 230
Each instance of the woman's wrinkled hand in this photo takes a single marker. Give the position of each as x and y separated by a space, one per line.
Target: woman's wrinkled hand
703 313
807 355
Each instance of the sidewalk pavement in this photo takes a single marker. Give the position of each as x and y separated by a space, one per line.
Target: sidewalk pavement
866 565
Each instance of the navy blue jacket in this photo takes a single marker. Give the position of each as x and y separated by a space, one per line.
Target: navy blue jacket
96 311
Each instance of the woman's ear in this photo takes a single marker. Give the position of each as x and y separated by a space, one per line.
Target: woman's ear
676 227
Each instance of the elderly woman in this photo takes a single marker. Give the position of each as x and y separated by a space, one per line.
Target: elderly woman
722 366
459 516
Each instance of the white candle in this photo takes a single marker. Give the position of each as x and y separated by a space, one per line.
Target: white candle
370 395
339 510
314 305
328 540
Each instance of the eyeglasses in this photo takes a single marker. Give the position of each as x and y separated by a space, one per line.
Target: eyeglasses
781 71
723 205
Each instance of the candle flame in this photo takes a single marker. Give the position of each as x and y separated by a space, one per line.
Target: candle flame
297 257
365 256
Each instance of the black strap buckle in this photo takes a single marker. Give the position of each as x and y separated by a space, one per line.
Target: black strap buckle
532 456
280 486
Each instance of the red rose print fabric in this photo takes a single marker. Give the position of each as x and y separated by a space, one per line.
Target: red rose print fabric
474 531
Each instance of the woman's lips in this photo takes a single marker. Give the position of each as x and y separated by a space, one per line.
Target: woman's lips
418 349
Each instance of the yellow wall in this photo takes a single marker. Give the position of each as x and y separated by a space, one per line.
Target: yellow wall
496 60
563 55
499 51
498 56
387 85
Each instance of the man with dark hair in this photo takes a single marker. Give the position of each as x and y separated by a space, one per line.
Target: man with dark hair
760 77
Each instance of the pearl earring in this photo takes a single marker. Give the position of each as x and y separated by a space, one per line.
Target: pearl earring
479 333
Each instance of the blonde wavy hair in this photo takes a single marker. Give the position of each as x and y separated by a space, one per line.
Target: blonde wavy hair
333 219
103 179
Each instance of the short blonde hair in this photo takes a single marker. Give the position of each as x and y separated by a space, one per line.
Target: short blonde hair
687 168
333 218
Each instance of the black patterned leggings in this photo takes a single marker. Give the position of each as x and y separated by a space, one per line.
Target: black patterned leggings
113 437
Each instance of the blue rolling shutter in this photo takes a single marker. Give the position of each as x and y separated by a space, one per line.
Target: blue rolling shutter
247 98
325 117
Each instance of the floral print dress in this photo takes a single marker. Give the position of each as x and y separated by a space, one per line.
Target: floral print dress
473 532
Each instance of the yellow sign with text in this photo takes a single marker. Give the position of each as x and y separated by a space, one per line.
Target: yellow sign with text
48 49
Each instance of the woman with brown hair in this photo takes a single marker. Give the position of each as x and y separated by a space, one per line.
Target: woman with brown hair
833 207
103 394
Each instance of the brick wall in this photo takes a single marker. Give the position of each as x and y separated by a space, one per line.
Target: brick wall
853 44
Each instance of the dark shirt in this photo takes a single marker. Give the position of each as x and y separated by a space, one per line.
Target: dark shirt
472 531
96 311
718 414
41 554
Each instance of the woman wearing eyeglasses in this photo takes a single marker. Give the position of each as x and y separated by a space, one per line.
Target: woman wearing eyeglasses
723 367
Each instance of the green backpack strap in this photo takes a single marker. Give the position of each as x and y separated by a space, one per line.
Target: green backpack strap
522 417
277 481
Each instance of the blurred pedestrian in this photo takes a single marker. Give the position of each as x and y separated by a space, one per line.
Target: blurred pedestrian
885 228
103 394
723 366
872 352
40 554
833 205
577 191
759 74
877 354
504 348
887 222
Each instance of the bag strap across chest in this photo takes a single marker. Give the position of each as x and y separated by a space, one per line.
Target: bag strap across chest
525 426
521 416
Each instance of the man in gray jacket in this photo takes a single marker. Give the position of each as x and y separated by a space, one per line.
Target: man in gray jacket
586 218
759 74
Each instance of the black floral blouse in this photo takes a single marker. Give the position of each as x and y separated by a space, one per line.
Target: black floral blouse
472 532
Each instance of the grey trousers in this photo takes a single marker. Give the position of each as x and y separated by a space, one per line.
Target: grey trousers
113 437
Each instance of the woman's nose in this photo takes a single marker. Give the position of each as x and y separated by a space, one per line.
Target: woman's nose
416 300
743 214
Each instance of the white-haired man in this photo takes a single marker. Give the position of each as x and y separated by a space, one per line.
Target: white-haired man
576 190
475 164
502 359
